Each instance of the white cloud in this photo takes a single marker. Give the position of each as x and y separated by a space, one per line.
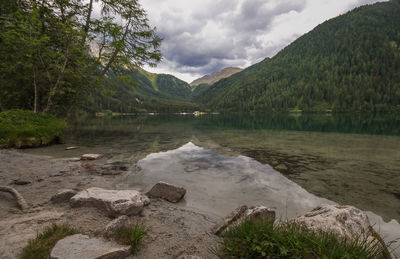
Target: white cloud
202 36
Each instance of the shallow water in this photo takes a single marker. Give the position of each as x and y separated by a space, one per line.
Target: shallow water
348 159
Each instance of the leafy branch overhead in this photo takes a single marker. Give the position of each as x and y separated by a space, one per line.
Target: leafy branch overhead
55 52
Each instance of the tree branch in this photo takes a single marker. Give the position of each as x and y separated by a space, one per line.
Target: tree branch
18 197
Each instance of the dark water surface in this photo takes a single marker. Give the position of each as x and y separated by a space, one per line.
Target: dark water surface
232 159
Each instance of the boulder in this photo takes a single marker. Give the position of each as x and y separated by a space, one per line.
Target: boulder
114 225
167 192
63 195
81 246
241 214
90 156
345 221
114 202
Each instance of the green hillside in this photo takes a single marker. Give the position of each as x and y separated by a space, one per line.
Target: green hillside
142 91
349 63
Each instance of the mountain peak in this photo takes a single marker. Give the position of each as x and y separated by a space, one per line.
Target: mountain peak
216 76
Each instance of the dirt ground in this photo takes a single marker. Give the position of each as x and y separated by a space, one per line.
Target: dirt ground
173 230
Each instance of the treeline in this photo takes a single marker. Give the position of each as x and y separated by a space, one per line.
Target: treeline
349 63
54 53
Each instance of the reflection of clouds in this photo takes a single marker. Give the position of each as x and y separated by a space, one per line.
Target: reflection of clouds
204 36
228 181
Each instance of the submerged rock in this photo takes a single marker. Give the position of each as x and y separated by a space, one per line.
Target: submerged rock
63 195
81 246
114 202
90 156
167 192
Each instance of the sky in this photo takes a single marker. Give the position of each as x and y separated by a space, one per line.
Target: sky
204 36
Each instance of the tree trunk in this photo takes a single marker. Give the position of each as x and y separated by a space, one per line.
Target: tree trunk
116 51
35 93
88 17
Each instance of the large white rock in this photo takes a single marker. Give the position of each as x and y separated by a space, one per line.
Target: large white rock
346 221
81 246
114 202
90 156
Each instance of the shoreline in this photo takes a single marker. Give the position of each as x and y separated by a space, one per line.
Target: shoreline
173 230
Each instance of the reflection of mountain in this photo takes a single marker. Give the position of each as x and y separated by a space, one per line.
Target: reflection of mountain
227 181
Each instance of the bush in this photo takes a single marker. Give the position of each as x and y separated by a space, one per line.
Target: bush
130 235
259 239
19 128
40 247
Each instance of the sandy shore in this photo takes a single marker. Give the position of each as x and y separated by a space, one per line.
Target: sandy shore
172 229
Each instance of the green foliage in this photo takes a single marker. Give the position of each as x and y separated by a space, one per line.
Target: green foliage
53 53
40 247
261 239
349 63
19 128
130 235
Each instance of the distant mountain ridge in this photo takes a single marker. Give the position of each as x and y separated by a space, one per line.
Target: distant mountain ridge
349 63
216 76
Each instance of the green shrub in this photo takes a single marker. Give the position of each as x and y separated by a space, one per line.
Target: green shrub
259 239
40 247
130 235
19 128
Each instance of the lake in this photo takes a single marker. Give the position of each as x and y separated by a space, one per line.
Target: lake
289 162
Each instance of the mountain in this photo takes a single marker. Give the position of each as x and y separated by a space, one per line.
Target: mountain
349 63
142 91
216 76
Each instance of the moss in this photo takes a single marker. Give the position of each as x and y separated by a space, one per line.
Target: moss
21 129
40 247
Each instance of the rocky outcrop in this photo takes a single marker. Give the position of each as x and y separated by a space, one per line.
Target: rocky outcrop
81 246
113 202
241 214
63 195
167 192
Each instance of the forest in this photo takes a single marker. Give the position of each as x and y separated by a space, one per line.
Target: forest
349 63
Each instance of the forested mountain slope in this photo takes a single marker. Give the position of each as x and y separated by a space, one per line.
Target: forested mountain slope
349 63
142 91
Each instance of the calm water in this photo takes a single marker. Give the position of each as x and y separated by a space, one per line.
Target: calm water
226 160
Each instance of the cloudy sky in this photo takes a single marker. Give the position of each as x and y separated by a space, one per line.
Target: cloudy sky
203 36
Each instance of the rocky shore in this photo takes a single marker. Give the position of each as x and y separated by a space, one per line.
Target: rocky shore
82 193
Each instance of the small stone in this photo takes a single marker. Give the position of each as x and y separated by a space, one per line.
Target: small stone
113 202
281 167
21 182
189 257
167 192
116 166
114 225
63 195
71 148
81 246
192 168
90 156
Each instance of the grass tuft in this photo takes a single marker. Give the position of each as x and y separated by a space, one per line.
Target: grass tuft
262 239
130 235
40 247
19 128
